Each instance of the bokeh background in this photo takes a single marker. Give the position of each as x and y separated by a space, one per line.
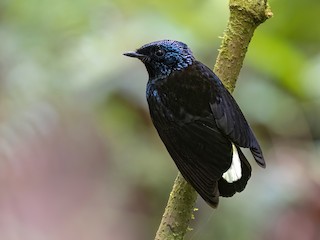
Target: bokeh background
79 157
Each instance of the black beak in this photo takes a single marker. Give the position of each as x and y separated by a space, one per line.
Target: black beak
134 55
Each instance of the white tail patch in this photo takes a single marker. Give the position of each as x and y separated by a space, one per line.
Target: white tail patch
234 172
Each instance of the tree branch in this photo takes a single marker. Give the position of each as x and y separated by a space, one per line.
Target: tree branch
245 17
178 212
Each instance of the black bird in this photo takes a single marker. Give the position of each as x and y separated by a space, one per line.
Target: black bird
198 120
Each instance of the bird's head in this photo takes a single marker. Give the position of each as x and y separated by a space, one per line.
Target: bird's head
163 57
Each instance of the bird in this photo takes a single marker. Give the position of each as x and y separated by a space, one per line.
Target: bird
198 120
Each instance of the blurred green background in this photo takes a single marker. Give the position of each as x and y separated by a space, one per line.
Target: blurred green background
79 157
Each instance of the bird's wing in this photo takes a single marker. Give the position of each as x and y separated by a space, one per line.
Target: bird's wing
230 119
201 153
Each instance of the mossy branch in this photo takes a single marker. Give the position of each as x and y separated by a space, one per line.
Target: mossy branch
178 212
245 17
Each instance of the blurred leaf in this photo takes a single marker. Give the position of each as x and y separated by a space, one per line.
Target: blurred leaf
278 59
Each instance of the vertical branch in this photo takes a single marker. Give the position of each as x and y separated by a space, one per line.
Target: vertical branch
245 17
179 211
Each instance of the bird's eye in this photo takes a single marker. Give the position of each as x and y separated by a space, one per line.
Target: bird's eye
159 53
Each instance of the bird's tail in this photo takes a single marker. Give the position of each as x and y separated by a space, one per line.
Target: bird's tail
237 176
213 200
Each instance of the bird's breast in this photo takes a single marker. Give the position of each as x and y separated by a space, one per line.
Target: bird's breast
172 101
